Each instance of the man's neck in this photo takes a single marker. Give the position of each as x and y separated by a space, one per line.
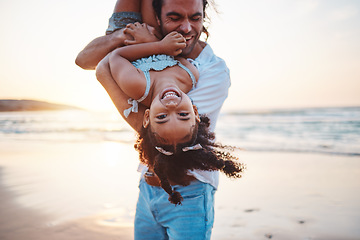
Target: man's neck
200 45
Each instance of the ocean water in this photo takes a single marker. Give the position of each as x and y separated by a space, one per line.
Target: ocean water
316 130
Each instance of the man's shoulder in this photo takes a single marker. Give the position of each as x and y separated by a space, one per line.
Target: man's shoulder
207 53
208 58
206 50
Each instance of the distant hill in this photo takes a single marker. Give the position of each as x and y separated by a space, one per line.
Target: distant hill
8 105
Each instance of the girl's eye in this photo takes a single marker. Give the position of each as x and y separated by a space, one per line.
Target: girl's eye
162 116
183 114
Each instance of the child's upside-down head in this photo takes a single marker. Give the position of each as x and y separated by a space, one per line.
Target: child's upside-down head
172 156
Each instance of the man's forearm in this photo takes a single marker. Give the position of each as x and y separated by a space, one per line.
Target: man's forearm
98 48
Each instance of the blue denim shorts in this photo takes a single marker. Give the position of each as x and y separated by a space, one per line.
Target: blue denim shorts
157 219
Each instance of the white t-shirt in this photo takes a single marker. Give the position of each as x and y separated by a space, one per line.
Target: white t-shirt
208 96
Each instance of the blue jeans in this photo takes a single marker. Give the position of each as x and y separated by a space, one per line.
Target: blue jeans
156 218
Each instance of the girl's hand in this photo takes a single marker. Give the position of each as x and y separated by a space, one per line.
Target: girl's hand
173 43
141 33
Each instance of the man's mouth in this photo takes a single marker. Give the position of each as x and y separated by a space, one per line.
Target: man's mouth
187 39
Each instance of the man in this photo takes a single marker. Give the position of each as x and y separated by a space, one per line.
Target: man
156 218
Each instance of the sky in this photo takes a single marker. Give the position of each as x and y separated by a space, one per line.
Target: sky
281 53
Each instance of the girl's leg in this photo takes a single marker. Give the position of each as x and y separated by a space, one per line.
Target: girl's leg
128 11
125 12
127 6
148 14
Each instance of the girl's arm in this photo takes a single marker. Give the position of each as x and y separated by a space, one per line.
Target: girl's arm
130 79
117 95
172 44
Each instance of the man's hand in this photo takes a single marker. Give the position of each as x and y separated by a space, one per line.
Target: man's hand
173 43
141 33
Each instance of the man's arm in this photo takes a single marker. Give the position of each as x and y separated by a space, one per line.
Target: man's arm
98 48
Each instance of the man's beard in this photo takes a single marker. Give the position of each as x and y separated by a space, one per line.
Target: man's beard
189 48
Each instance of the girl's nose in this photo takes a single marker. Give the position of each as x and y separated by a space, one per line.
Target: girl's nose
171 104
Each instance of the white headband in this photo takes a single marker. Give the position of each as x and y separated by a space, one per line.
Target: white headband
184 149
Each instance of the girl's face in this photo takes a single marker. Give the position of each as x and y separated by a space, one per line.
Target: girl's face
172 116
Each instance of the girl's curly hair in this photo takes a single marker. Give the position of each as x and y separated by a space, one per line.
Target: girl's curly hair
213 156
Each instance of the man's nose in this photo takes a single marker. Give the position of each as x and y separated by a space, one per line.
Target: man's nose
185 26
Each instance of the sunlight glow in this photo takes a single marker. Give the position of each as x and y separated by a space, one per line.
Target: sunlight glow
280 53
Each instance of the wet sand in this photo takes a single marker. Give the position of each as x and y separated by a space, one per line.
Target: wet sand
18 222
58 190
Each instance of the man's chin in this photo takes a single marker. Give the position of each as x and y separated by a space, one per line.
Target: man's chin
186 51
183 54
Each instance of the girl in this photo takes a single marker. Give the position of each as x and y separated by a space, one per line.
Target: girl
159 82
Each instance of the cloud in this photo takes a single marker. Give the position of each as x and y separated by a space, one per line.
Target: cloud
344 13
306 6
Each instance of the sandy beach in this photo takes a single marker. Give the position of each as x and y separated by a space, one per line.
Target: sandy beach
71 190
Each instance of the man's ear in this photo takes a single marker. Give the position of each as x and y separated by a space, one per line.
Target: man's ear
146 119
197 117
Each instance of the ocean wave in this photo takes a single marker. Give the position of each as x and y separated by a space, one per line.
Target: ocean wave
325 130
